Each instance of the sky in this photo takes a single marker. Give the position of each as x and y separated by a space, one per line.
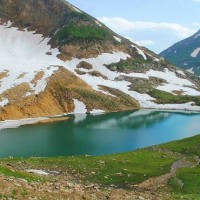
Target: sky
155 24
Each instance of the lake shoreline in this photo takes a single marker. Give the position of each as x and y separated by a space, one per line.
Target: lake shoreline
95 134
57 118
172 174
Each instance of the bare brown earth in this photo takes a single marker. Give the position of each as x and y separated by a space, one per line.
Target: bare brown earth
3 74
21 76
58 96
58 185
38 77
16 93
92 50
61 187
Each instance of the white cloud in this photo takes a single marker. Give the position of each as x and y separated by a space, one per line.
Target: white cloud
196 0
195 24
144 42
141 42
123 25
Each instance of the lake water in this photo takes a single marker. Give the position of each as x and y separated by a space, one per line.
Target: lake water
98 134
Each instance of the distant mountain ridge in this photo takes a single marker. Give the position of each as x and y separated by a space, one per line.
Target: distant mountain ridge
185 54
57 59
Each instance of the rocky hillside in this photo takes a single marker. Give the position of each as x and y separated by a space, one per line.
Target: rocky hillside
57 59
185 54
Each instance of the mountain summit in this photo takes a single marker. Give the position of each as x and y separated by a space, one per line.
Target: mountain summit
57 59
185 54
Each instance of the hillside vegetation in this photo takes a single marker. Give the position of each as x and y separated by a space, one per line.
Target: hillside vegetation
169 171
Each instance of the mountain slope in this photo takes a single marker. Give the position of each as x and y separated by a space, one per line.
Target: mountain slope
56 59
185 54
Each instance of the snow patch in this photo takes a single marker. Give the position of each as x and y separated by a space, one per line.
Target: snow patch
185 106
170 77
195 52
30 53
190 71
154 58
197 36
173 87
4 102
173 82
97 111
25 52
117 39
79 107
98 23
140 51
36 171
180 72
17 123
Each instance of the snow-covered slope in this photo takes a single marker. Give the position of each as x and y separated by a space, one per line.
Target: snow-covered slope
22 55
185 54
49 74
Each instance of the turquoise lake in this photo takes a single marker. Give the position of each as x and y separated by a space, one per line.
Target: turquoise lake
98 134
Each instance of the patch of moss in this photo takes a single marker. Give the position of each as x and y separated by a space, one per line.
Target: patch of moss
124 98
82 32
163 97
124 65
95 98
122 101
81 16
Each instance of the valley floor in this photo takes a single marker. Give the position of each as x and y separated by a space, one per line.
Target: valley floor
169 171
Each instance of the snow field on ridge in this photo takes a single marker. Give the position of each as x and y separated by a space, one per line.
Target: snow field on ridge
24 52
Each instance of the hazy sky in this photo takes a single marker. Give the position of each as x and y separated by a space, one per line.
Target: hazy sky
156 24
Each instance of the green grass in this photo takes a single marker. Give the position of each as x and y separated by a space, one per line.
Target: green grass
121 169
104 101
108 103
125 169
191 180
189 146
82 32
3 196
163 97
189 176
123 65
81 16
185 197
124 98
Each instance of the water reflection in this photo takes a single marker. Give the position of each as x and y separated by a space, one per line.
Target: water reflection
98 134
127 120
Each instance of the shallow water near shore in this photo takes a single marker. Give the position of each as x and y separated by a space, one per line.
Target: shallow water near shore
98 134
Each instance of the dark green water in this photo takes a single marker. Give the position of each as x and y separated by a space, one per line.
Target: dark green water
99 134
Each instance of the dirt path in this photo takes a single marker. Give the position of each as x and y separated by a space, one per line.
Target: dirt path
67 187
153 184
